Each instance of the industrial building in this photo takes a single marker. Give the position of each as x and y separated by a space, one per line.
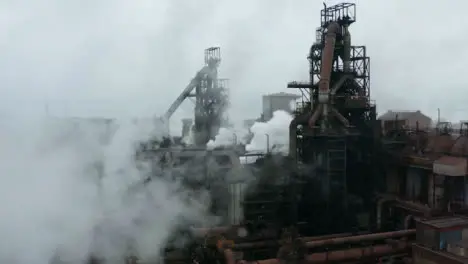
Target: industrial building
441 240
405 119
347 191
278 101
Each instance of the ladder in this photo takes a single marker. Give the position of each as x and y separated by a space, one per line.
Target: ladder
336 167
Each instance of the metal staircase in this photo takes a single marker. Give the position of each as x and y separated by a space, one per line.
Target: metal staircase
336 167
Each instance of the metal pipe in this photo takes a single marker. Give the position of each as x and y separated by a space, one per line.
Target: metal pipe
358 239
229 256
408 219
353 254
327 62
324 122
340 117
340 82
293 138
379 212
315 115
275 243
346 50
325 73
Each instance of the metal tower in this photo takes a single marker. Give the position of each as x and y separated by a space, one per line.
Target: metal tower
211 99
334 125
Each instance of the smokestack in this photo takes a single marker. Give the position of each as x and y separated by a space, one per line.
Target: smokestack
186 126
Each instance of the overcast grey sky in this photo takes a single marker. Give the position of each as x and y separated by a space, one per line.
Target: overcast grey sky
132 58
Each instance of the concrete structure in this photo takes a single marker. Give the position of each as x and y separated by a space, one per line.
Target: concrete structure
406 119
277 101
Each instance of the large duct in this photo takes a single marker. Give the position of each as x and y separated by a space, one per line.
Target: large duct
327 62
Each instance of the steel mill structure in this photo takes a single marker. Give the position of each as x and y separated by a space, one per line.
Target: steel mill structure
211 99
335 129
353 189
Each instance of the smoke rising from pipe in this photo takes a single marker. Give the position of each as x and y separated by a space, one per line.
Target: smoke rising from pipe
67 194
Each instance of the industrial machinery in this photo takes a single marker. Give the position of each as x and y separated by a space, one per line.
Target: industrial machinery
211 99
348 192
308 207
335 129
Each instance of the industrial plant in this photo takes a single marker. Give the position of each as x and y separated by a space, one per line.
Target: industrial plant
352 188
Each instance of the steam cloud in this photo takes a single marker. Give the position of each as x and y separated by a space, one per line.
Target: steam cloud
67 193
276 130
227 137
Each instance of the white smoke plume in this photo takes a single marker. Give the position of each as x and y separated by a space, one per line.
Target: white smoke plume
65 193
227 137
272 135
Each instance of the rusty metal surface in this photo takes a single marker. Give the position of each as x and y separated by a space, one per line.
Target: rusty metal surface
275 243
358 239
327 57
353 254
356 254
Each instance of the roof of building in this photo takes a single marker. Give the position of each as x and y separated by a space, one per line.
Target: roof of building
446 222
283 94
400 115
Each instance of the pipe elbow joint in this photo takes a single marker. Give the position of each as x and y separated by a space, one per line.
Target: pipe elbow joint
333 28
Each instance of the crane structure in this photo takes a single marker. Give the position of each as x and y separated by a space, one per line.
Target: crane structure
211 99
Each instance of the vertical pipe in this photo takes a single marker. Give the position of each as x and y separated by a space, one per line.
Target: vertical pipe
324 122
347 49
327 62
379 212
315 115
438 116
293 139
